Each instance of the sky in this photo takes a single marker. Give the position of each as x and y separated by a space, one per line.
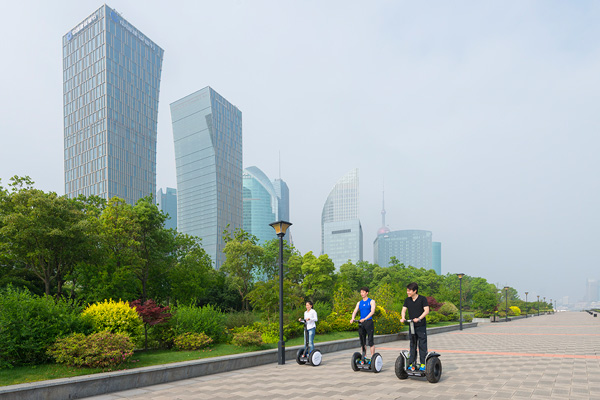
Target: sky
480 120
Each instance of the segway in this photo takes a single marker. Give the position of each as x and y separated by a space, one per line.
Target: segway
433 365
314 357
361 363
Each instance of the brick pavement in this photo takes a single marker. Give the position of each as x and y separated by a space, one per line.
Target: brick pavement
547 357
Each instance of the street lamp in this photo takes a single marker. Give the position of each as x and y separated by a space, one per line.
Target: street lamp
280 228
506 290
544 302
538 305
526 293
460 276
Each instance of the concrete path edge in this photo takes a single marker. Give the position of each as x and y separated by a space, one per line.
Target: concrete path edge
108 382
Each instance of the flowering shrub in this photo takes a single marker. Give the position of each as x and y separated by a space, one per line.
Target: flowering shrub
247 338
99 350
116 317
192 341
29 324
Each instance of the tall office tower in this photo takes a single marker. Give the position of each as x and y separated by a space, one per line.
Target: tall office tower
341 231
410 247
261 204
207 131
591 289
436 258
167 203
111 78
283 194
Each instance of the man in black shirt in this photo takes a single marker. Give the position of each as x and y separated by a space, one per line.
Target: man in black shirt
418 308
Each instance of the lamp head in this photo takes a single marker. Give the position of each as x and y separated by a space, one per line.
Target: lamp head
280 227
460 275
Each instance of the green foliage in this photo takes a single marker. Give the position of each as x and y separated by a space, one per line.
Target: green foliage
29 324
247 338
514 310
344 300
341 322
239 318
318 276
99 350
387 322
323 309
323 327
433 317
192 341
265 297
207 319
467 318
448 309
116 317
383 296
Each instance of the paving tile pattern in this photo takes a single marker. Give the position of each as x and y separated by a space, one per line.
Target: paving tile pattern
547 357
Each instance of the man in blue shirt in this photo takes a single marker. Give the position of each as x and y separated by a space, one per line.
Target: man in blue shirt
367 327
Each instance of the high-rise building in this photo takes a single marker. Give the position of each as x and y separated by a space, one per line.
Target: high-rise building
341 231
436 258
591 289
410 247
167 203
111 79
207 131
261 204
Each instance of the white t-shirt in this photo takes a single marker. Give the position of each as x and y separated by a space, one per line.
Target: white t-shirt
311 316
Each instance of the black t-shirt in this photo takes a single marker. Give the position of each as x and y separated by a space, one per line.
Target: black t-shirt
416 308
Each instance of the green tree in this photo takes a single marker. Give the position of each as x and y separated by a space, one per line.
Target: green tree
318 276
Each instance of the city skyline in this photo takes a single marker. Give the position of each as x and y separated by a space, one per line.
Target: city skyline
479 117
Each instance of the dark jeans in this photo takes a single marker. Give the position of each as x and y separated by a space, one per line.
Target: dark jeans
366 328
421 337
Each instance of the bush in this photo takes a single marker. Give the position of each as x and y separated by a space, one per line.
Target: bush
192 341
482 314
433 317
323 327
434 305
115 317
323 309
341 322
237 319
514 310
99 350
30 324
448 309
206 319
467 318
387 322
248 338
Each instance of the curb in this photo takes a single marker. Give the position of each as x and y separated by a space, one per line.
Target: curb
108 382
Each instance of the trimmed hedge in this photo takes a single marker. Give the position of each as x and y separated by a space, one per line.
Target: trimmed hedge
98 350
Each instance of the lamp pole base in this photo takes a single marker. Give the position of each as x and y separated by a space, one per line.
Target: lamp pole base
281 353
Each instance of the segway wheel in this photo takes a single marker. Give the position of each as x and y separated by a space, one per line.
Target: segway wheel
356 357
400 371
376 362
315 358
299 357
434 370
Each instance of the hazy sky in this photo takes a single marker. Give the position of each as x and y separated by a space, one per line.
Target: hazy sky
480 118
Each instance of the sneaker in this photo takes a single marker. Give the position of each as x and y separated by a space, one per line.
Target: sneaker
411 367
422 368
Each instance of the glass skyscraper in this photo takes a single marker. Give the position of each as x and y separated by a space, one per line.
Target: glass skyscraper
341 231
111 78
207 131
167 203
264 204
436 259
410 247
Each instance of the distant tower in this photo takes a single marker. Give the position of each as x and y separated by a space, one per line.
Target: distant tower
384 229
207 131
341 231
167 203
111 79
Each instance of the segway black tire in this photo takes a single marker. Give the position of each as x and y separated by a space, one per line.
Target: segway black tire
356 357
315 358
434 370
400 371
376 363
298 357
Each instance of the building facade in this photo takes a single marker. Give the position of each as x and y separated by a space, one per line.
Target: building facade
207 131
341 230
167 203
436 258
111 82
410 247
260 204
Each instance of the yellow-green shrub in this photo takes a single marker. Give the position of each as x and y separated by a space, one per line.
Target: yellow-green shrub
386 322
248 338
192 341
99 350
516 311
116 317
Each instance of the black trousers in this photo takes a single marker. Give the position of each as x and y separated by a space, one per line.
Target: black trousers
419 336
366 330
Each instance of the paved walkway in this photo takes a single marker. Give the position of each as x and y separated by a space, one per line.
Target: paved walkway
553 356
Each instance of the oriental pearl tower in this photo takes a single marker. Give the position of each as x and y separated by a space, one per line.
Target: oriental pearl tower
384 229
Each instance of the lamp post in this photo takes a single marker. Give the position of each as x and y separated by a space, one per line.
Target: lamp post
551 305
280 228
538 305
506 295
460 276
544 302
526 293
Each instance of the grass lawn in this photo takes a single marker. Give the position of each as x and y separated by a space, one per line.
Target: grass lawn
155 357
